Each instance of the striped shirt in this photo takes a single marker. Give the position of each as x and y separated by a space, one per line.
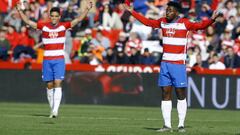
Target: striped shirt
174 35
53 38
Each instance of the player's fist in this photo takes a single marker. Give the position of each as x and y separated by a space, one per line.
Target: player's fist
128 2
89 5
215 15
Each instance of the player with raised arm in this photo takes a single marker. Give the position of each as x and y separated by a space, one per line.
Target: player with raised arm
53 38
173 70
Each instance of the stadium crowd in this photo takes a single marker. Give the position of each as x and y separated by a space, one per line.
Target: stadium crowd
111 35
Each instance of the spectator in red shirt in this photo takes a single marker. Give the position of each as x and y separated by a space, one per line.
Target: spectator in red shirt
12 36
25 45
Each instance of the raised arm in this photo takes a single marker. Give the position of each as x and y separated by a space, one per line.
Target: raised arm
142 19
203 24
25 18
83 14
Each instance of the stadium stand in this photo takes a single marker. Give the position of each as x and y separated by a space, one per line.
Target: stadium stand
220 43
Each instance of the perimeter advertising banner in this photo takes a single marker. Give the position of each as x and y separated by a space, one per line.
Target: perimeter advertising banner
120 88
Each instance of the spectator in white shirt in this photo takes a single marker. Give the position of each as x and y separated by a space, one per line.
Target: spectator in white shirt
216 63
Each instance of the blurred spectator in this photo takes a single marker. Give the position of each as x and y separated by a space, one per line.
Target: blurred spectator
93 56
226 42
231 60
101 41
210 57
125 19
97 51
25 46
4 45
35 10
129 25
212 38
236 47
220 25
232 22
12 37
134 58
200 63
44 18
229 9
121 43
13 19
110 57
216 64
205 12
85 43
186 5
191 57
30 15
121 57
154 35
146 58
111 20
236 31
133 42
200 44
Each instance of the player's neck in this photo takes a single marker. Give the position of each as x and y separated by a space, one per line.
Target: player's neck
54 25
174 19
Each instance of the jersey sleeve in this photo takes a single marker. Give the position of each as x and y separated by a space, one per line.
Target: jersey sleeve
147 22
198 25
40 25
67 25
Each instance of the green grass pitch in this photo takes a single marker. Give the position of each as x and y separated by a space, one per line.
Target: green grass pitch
32 119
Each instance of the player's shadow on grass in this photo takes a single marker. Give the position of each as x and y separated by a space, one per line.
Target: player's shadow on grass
155 129
48 123
149 128
40 115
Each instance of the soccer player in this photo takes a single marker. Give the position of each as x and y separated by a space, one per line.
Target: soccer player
53 38
173 70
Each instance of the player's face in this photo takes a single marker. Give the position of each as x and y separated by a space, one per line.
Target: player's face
55 17
171 13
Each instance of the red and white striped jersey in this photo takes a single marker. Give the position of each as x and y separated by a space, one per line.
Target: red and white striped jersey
53 38
174 35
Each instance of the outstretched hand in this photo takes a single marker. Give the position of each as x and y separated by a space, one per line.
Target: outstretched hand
18 7
89 5
127 7
215 15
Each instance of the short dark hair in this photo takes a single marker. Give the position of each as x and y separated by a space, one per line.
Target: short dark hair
150 0
176 5
146 50
55 9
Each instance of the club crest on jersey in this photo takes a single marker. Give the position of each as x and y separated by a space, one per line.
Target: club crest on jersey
170 32
53 34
